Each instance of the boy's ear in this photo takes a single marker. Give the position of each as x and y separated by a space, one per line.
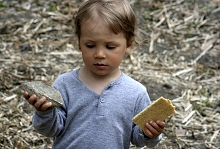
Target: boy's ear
129 44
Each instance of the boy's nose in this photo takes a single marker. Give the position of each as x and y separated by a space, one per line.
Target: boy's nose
100 53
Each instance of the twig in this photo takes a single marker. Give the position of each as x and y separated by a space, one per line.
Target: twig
206 47
182 72
9 98
188 117
214 135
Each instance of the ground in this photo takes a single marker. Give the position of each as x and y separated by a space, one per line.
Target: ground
178 58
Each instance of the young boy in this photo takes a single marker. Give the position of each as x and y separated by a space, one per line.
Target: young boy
99 100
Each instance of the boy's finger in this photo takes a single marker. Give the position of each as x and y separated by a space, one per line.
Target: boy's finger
32 99
158 128
148 133
160 123
45 106
39 103
153 128
26 95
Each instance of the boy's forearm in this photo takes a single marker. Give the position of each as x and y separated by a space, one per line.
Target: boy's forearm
46 123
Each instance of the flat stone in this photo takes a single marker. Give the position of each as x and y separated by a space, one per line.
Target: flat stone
41 89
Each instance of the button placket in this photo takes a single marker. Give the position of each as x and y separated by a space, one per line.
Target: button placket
101 106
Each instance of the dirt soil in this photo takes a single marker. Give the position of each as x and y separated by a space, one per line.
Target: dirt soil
178 58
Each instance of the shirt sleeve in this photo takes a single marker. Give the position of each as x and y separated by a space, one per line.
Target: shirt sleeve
138 138
49 123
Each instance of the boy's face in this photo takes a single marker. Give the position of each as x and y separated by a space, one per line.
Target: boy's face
102 50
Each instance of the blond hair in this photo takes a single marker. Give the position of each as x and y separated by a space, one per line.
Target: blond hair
117 14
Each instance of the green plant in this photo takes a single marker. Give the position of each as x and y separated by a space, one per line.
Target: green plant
199 108
147 16
52 7
206 102
2 4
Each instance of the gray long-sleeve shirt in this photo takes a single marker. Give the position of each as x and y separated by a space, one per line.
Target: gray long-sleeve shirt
91 121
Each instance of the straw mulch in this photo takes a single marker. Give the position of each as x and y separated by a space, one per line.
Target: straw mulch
178 58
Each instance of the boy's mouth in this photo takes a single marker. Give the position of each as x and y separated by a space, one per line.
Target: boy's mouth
100 65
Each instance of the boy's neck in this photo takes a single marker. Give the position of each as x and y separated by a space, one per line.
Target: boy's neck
95 82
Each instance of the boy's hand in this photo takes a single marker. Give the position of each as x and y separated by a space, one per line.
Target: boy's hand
40 105
154 128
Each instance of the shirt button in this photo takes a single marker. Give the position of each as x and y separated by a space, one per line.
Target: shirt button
102 100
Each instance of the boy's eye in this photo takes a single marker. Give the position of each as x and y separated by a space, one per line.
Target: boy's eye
90 46
110 47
